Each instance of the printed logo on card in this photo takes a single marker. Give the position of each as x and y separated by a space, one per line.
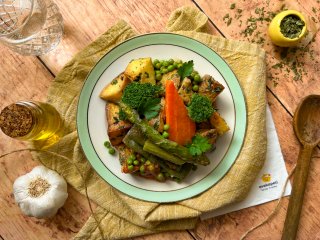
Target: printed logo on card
267 182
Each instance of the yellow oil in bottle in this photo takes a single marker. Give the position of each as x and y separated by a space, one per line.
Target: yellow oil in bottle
31 120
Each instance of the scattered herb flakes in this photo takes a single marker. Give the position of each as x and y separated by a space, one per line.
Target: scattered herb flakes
227 19
233 6
314 10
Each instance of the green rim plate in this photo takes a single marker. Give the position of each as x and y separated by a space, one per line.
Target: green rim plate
240 117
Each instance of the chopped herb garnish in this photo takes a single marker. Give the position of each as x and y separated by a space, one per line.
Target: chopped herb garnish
233 6
114 82
291 26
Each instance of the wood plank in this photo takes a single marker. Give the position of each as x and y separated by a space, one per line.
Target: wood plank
281 72
25 78
98 15
233 225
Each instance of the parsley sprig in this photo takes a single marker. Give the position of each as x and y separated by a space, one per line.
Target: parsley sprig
150 108
186 69
199 145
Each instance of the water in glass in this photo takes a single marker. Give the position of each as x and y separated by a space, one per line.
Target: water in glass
30 27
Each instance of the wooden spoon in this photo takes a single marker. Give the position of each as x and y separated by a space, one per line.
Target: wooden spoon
306 122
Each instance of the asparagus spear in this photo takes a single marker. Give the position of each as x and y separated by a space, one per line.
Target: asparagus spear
154 136
138 148
157 151
136 135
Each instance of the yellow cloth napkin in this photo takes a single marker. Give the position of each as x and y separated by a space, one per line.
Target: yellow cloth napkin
121 216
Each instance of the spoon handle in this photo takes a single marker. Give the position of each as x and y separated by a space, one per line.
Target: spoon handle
295 203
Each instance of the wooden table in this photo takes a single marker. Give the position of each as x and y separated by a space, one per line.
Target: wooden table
29 78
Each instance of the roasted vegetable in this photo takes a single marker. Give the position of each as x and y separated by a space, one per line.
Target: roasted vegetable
185 91
124 152
182 128
210 88
219 123
113 91
116 128
141 70
154 136
173 76
210 134
200 108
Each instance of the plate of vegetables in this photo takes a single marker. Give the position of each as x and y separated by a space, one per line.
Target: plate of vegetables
161 117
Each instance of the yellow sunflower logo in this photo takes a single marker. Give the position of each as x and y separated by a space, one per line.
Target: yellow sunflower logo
266 177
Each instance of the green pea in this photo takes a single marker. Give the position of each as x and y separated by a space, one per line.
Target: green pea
142 160
165 63
165 134
107 144
158 76
111 151
130 167
142 169
129 161
136 162
148 162
160 177
171 61
166 127
164 71
179 61
132 157
151 167
158 65
179 65
155 62
157 72
161 62
175 65
192 75
170 68
197 78
195 88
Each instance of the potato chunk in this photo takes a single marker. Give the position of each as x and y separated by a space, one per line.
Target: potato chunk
210 88
141 70
114 90
117 129
219 123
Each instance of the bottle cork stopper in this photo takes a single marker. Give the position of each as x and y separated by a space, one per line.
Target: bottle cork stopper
16 120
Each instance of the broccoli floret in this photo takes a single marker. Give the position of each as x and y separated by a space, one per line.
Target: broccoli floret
136 93
200 108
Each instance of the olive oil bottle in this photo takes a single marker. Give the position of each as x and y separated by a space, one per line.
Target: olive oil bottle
31 120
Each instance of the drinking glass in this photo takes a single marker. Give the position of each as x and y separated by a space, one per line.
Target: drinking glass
30 27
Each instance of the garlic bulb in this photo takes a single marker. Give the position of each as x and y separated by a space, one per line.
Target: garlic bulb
40 193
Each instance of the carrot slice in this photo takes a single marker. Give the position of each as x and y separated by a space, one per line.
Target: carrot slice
182 128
